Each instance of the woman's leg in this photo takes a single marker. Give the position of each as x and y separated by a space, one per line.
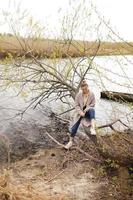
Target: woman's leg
73 132
74 128
90 114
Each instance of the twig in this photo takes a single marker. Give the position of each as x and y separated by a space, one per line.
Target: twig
67 111
111 124
91 61
54 177
54 140
87 155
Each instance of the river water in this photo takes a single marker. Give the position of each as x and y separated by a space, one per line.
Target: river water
111 73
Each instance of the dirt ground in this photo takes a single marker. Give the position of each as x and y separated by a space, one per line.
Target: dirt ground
81 173
53 173
57 174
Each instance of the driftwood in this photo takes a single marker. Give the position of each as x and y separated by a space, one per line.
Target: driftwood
117 96
111 124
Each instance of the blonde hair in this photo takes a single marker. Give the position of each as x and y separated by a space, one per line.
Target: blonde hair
84 83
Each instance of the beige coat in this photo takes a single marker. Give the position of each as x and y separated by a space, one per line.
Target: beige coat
79 107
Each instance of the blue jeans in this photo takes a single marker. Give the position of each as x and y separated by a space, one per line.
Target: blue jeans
90 114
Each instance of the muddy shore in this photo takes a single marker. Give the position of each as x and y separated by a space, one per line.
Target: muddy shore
54 173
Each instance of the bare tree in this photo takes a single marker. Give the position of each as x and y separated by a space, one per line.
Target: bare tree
58 78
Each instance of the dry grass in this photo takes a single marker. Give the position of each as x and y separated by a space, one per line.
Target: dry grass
9 191
57 48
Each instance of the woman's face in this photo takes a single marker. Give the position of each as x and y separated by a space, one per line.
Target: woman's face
84 89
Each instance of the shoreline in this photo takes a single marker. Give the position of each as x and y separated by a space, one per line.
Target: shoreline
11 46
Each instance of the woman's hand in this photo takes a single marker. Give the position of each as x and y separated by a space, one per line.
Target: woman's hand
82 114
86 109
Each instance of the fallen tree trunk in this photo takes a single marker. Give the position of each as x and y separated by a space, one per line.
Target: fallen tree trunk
117 96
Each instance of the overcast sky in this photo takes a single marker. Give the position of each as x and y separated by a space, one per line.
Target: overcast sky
119 12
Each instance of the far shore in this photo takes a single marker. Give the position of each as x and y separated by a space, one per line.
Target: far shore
47 48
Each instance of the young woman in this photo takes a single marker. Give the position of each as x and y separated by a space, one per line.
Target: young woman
84 111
